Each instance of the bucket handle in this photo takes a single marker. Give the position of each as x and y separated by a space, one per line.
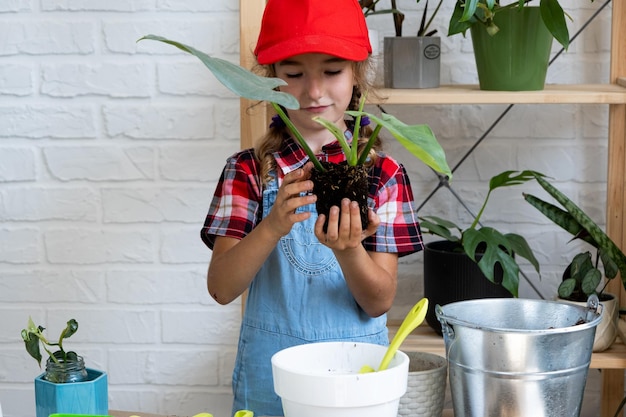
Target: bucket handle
593 307
446 328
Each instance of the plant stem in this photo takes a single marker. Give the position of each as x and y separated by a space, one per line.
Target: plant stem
397 18
480 212
298 137
368 146
354 157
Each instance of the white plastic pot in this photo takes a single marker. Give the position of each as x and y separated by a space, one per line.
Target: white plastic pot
323 379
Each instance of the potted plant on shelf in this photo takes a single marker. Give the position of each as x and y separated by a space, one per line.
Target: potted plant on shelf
66 386
419 140
512 41
476 262
412 61
583 276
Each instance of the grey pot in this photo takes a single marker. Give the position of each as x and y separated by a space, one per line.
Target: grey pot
412 62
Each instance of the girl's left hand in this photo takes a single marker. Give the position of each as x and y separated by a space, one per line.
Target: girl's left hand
344 226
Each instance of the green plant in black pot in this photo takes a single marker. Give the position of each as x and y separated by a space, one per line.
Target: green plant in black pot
485 245
61 365
419 140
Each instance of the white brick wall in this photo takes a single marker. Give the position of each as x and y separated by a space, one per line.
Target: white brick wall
109 153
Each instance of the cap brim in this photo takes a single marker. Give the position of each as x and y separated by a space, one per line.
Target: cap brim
340 48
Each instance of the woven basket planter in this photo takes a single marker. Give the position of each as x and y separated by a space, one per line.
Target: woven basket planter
426 386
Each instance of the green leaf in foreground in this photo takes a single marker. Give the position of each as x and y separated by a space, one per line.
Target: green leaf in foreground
237 79
419 140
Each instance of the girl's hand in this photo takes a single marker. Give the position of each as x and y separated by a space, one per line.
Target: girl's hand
289 197
344 226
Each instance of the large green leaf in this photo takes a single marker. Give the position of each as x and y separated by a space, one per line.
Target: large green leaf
554 19
31 342
419 140
556 214
456 24
521 248
605 244
468 9
497 250
506 178
236 78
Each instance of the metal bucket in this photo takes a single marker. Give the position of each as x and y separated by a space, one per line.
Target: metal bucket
517 357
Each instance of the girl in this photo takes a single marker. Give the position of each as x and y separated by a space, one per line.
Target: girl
306 285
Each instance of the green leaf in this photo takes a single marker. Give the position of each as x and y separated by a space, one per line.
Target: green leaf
610 267
605 244
566 288
31 342
236 78
554 19
580 265
497 250
456 25
419 140
298 136
521 248
70 329
351 157
590 281
507 179
440 227
468 10
557 215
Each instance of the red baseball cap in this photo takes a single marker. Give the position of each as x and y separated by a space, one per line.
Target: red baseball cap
293 27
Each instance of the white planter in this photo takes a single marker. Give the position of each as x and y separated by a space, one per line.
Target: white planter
606 332
426 387
323 379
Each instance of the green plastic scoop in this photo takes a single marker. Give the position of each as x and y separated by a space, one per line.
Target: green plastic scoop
414 318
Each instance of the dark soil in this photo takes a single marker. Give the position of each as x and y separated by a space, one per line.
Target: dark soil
341 181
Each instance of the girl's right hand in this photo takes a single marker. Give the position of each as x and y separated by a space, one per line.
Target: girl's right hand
294 192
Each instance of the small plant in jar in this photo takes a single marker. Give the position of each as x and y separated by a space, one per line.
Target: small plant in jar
61 366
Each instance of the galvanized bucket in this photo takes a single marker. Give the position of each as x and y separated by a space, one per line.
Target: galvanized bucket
517 357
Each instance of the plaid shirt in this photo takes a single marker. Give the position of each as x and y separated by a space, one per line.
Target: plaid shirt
236 206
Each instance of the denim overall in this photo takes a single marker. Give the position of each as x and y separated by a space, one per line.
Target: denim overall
299 296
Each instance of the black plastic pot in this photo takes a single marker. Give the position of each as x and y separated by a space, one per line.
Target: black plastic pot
450 276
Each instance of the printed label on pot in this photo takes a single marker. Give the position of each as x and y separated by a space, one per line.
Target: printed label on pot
432 52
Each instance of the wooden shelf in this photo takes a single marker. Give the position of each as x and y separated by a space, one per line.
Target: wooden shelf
471 94
424 339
